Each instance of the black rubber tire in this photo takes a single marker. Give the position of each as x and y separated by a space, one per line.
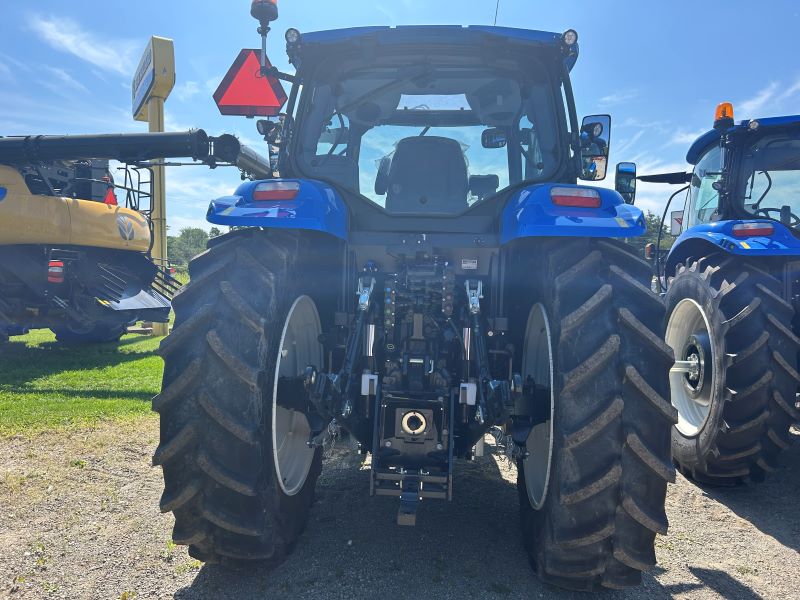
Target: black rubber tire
611 443
755 376
215 405
101 333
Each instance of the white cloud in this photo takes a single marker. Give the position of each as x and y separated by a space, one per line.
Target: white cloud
170 124
387 13
685 138
625 146
186 91
36 114
754 106
790 91
10 61
620 97
66 35
213 83
60 77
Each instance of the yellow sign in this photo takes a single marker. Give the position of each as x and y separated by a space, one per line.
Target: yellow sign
155 76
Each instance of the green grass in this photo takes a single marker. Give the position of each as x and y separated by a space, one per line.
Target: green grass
44 385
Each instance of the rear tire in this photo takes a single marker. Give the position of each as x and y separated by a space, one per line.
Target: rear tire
221 479
743 422
593 523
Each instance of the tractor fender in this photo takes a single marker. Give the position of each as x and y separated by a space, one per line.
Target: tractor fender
316 207
708 238
530 212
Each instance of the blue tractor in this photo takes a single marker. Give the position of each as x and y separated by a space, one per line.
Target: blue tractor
423 271
732 294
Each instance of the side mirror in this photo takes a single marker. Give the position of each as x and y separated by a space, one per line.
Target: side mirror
269 130
676 223
625 181
494 138
595 138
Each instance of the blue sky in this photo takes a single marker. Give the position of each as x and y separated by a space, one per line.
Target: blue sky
659 68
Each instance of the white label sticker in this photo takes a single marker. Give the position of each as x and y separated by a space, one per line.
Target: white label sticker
469 264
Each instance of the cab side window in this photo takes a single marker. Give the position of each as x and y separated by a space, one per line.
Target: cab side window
704 199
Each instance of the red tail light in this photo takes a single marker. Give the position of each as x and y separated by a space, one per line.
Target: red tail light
575 197
746 230
275 191
55 271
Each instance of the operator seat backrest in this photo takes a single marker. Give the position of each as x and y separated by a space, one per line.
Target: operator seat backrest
428 175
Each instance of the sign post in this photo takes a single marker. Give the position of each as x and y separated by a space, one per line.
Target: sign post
152 84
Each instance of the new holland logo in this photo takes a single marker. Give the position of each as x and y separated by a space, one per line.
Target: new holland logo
126 230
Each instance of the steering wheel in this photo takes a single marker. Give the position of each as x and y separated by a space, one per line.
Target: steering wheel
795 220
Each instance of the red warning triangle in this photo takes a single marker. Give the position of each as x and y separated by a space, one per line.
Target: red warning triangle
246 92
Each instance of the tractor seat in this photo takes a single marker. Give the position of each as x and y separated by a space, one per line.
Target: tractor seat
427 175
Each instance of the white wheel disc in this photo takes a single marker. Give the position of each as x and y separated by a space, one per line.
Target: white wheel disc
537 363
688 319
299 348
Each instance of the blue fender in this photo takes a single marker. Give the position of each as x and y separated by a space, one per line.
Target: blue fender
317 207
704 239
530 212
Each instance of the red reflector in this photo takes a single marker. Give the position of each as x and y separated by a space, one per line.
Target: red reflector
111 198
575 197
55 271
745 230
275 191
246 92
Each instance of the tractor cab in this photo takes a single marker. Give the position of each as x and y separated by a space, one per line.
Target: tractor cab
746 171
431 121
434 128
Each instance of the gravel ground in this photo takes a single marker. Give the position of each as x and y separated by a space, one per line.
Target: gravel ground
79 519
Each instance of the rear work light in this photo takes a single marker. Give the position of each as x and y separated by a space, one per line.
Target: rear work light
575 197
274 191
55 271
745 230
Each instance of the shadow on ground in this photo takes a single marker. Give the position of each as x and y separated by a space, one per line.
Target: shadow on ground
23 364
468 549
772 506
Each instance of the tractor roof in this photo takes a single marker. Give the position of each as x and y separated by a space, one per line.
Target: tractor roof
415 35
713 136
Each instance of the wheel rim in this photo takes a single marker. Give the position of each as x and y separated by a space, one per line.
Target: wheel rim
689 336
299 348
537 362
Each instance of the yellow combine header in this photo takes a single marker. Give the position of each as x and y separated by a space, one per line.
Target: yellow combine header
75 257
26 218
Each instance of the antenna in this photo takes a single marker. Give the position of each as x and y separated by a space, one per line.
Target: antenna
496 11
